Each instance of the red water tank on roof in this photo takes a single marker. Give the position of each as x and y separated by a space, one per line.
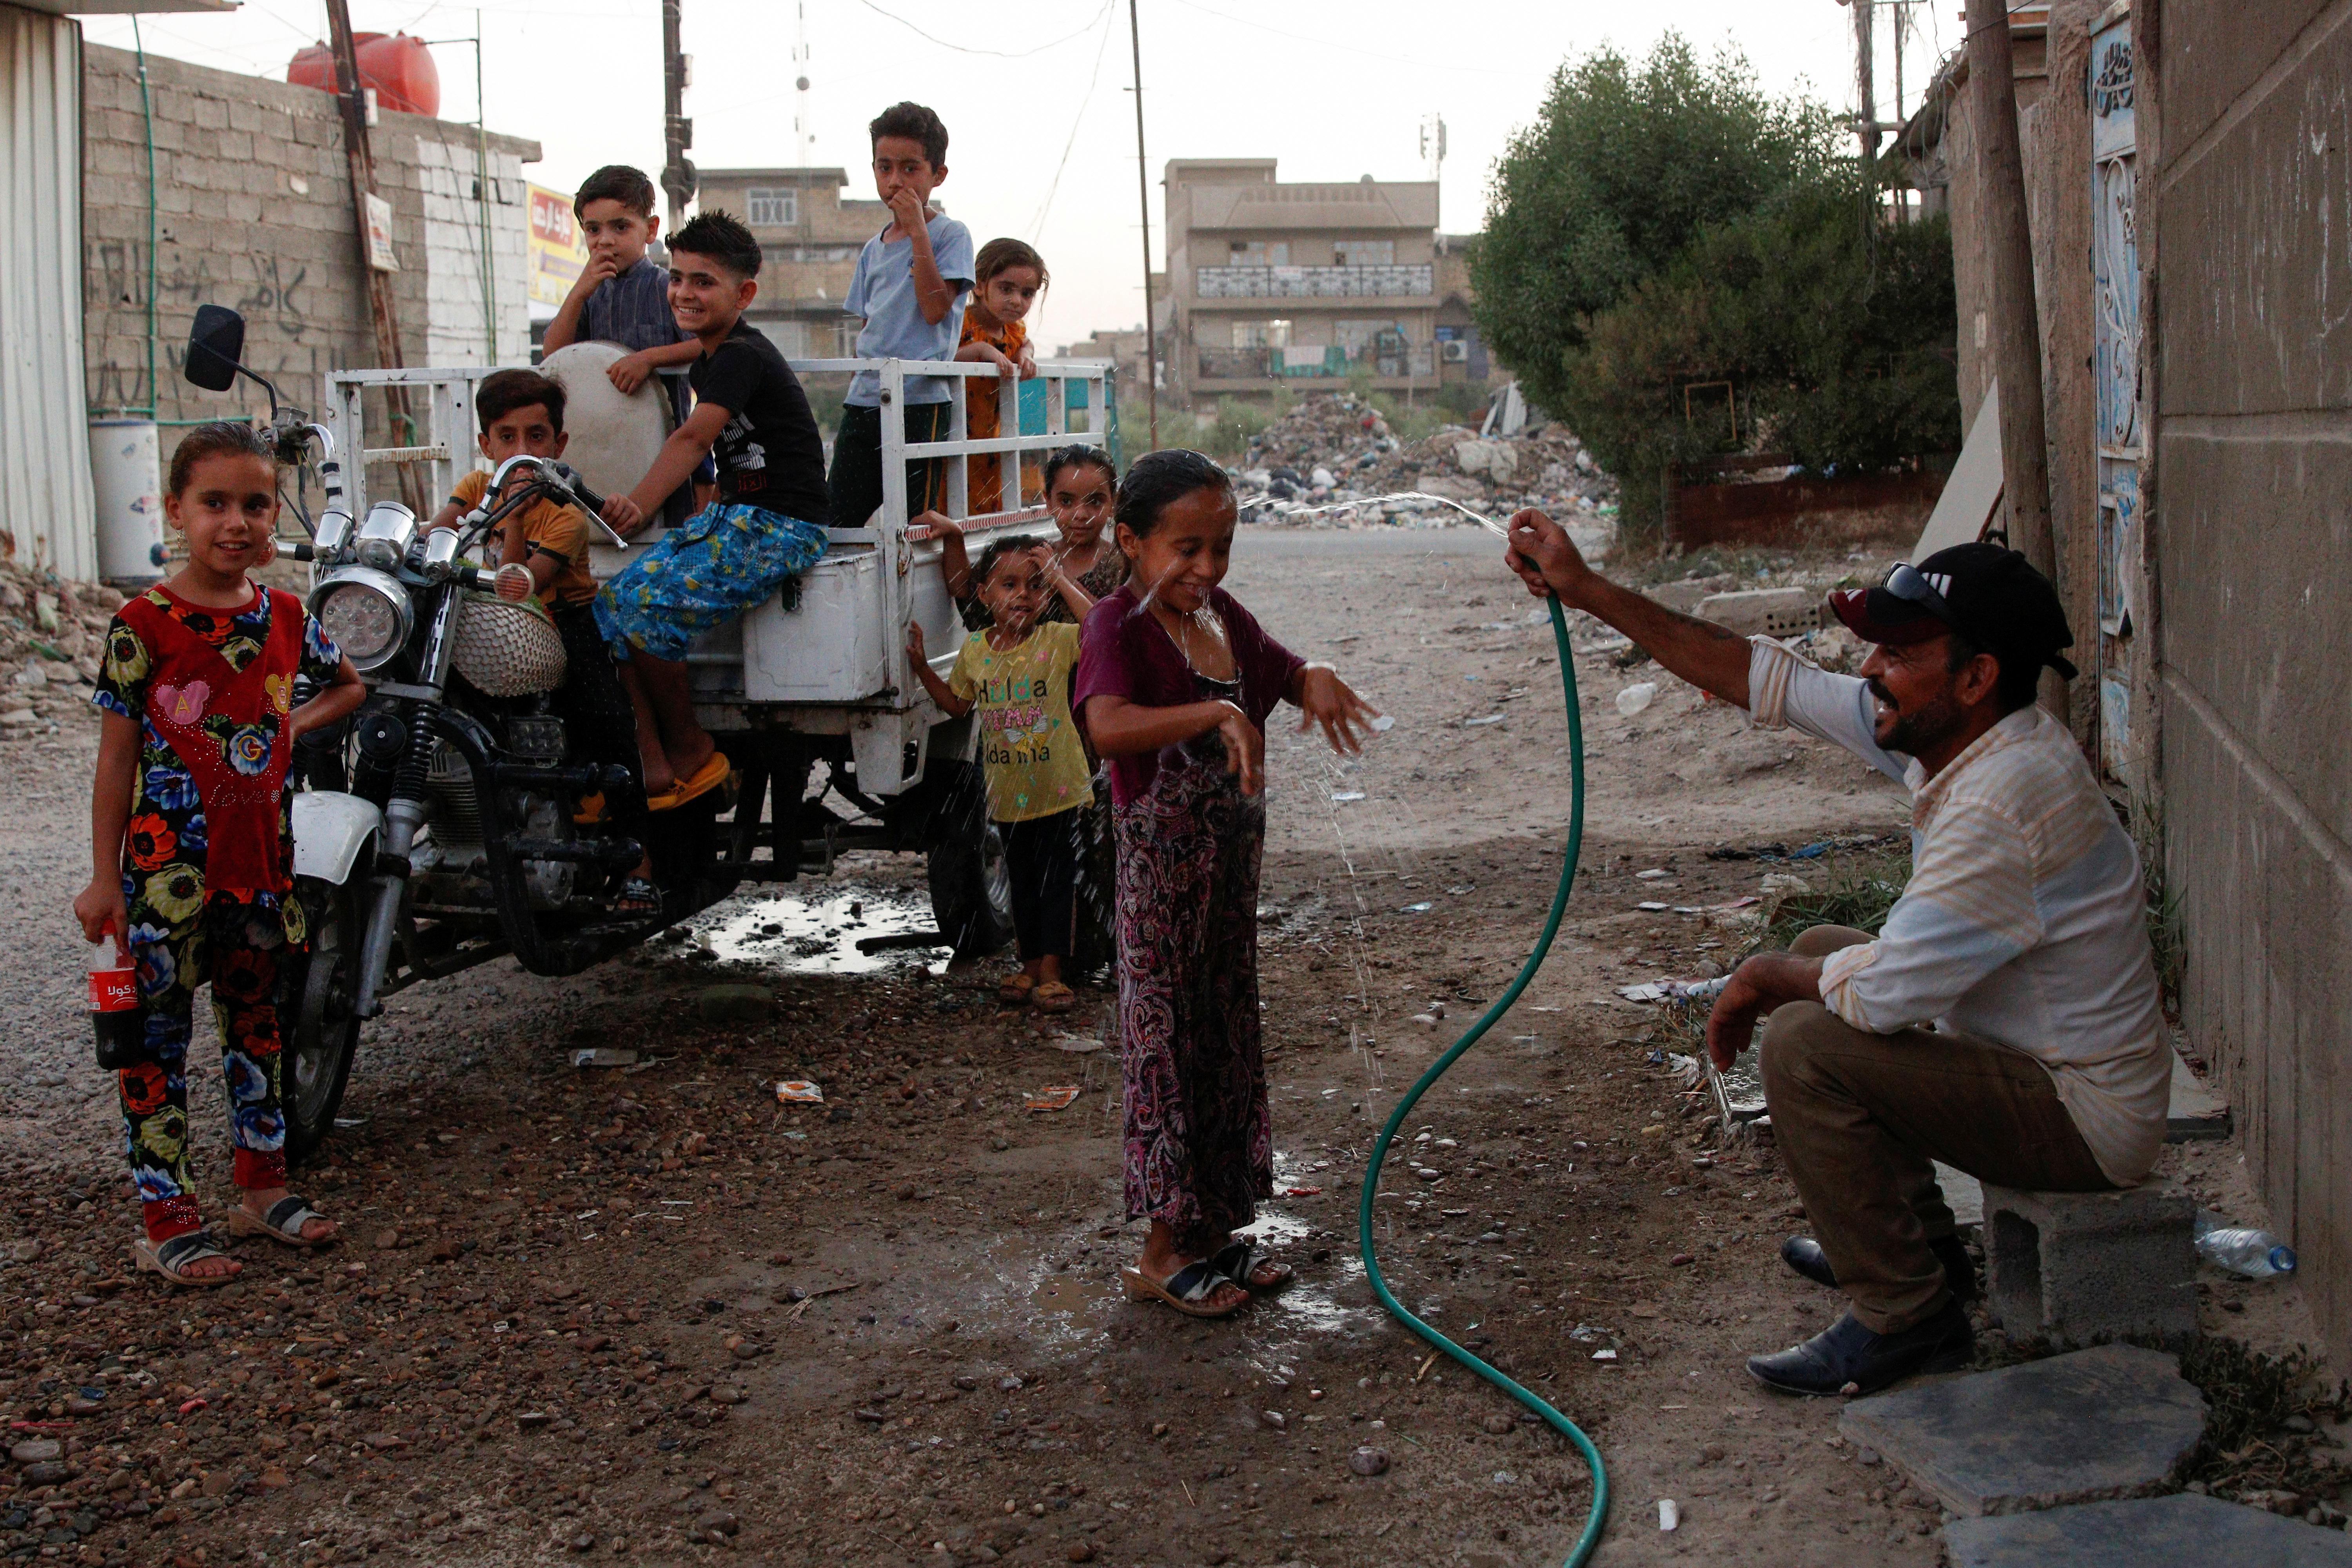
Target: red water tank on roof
399 68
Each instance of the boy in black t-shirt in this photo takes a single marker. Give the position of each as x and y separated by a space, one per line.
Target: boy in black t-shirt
767 526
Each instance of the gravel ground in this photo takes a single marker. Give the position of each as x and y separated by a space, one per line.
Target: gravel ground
652 1313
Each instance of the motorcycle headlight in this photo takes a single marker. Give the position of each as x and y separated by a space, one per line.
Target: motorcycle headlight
385 536
366 612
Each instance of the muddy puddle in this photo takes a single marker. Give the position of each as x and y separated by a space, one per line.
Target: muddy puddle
843 930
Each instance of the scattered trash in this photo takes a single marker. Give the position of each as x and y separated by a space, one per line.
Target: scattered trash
1346 795
604 1057
1302 1192
1655 874
1487 718
1053 1097
1604 1353
1651 906
1337 453
1670 1513
799 1092
1419 909
1637 696
1075 1044
2255 1254
1676 990
1383 724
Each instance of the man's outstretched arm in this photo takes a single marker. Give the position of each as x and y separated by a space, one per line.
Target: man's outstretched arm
1705 655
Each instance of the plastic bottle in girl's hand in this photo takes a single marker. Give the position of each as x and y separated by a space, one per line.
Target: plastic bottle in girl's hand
2256 1254
114 1012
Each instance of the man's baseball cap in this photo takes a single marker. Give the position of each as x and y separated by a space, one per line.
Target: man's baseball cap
1990 595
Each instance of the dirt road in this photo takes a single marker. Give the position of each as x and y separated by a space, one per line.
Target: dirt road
652 1313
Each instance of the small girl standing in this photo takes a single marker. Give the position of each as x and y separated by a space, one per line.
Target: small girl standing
193 842
1017 673
1007 277
1176 682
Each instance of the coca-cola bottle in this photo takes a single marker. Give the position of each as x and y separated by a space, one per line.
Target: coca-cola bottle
115 1015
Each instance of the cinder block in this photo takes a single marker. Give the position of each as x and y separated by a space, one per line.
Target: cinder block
2073 1267
1768 612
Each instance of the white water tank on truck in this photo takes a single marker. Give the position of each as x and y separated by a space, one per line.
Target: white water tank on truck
129 482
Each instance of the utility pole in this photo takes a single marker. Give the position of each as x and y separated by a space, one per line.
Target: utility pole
1865 115
678 132
384 313
1143 199
2015 325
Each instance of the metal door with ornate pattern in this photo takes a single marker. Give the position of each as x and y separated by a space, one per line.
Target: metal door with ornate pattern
2115 281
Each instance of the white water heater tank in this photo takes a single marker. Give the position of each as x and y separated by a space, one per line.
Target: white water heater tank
129 482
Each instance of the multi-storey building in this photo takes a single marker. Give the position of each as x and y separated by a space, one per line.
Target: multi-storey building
1274 283
809 235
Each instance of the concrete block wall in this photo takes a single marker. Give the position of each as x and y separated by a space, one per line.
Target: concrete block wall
2252 502
252 210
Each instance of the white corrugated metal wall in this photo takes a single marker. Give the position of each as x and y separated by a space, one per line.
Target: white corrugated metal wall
46 509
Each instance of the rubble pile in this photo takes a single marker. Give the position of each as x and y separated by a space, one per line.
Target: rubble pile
1336 448
51 632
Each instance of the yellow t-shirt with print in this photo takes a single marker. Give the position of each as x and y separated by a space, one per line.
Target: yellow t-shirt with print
1029 743
557 531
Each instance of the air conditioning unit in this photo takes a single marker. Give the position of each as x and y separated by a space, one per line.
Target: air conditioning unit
1454 351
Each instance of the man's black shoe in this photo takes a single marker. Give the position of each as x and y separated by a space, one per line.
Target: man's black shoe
1804 1255
1846 1358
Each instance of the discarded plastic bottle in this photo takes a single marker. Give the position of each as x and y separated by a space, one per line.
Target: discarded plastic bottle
120 1023
2256 1254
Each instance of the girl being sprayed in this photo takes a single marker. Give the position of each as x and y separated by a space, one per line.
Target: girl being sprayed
1175 683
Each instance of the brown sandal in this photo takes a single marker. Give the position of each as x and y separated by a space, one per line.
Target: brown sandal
1190 1290
1017 988
1052 996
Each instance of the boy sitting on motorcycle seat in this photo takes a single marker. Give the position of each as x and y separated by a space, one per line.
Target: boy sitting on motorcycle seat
766 529
542 550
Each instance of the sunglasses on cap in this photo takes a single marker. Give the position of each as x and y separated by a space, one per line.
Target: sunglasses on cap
1913 586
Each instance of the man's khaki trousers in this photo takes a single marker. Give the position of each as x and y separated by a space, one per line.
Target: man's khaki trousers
1858 1117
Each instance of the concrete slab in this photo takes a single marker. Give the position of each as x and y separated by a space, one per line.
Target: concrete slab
2197 1112
2098 1424
2181 1532
1963 1193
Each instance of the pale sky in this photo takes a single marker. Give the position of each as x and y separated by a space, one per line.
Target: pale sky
1334 88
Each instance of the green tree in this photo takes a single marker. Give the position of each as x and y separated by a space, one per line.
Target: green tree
1622 168
1833 328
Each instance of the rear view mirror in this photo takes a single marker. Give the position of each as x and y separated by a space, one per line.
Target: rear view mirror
215 346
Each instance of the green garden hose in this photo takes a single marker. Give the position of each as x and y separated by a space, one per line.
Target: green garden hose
1553 1418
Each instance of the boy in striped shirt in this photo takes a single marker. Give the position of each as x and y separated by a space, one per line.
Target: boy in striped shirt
2006 1020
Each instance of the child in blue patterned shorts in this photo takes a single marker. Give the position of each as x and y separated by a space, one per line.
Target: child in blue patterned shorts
766 528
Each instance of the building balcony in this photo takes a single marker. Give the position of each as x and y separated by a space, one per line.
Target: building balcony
1311 364
1400 281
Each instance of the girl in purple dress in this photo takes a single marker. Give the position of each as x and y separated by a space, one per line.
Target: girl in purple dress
1175 683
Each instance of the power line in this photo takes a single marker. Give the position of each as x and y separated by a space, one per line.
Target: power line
1037 223
966 50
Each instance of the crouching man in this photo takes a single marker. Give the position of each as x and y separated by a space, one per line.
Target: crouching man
2005 1021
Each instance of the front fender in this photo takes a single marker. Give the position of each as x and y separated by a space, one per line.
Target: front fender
329 830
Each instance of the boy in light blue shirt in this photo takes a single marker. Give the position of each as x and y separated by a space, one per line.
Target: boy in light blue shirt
911 283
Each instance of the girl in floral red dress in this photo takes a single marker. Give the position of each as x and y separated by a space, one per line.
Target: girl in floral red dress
193 842
1176 682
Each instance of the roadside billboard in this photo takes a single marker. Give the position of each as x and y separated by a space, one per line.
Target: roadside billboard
557 251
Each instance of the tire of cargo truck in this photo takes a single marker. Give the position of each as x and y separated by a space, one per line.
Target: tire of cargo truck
972 885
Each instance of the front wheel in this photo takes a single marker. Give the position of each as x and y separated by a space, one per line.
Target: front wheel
324 1034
